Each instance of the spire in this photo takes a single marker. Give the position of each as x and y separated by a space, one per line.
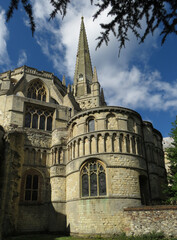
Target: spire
95 77
103 103
83 68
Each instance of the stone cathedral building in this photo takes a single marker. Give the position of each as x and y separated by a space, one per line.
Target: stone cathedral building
68 162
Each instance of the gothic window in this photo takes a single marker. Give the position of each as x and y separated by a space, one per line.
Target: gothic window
91 125
49 123
93 179
42 122
31 186
38 118
37 91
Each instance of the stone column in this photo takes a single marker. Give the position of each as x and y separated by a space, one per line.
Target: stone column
136 146
73 150
89 144
81 148
76 149
124 144
117 139
69 153
131 148
104 143
111 139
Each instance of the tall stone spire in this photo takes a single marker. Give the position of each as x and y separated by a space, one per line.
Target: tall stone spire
83 68
86 88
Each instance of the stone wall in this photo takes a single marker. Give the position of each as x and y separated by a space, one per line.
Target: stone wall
103 216
150 219
106 217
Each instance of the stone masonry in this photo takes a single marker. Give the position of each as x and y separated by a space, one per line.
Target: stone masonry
68 162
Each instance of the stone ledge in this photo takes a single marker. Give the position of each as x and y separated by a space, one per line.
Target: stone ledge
152 208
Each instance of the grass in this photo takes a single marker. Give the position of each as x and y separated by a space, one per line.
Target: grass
151 236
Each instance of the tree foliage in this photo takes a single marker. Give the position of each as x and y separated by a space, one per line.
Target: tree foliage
172 175
28 9
138 16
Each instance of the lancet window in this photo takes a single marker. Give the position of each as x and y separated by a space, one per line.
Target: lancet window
93 179
37 91
38 118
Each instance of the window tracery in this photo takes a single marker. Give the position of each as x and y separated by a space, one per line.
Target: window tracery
37 91
38 118
93 179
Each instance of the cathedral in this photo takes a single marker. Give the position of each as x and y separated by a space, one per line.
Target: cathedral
68 162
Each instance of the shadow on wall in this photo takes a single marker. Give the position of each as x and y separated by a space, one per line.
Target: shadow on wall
21 213
56 217
42 215
1 156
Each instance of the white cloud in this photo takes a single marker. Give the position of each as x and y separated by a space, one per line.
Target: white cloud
4 57
124 83
22 58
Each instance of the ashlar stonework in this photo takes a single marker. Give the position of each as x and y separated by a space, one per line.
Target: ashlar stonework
68 162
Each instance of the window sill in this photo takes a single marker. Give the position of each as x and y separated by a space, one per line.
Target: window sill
94 197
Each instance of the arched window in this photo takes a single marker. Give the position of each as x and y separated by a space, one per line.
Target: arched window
37 91
38 118
91 125
93 179
31 186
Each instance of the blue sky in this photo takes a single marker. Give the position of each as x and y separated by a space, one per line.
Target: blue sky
143 78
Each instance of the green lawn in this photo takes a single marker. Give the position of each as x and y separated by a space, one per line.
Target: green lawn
120 237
